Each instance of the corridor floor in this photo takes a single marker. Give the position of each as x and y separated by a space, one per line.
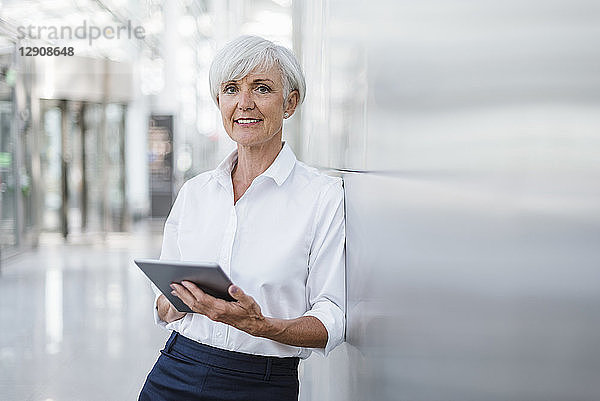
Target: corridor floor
76 319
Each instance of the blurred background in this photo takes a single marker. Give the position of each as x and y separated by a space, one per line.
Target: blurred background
468 137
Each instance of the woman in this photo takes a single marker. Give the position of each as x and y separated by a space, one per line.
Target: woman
275 226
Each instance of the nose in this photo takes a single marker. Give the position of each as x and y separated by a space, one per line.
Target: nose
245 101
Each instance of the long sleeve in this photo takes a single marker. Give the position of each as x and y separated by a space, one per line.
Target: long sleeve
326 281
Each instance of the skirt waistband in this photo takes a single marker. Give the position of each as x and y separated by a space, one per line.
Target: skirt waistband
239 361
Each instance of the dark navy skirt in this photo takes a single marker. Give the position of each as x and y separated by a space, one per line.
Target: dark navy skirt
188 370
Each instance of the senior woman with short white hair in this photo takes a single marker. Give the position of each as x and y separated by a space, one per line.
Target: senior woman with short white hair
275 226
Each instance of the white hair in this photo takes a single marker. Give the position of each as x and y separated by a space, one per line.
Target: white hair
243 54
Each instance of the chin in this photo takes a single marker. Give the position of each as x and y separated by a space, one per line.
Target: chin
247 139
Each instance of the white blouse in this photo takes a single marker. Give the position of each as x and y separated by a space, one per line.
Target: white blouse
282 243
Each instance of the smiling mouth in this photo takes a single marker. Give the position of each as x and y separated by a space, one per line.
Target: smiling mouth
247 121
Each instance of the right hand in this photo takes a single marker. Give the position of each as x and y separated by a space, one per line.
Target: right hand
166 310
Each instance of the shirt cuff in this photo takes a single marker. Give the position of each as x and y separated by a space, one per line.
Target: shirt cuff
157 318
333 319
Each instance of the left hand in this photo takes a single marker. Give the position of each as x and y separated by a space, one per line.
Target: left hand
243 314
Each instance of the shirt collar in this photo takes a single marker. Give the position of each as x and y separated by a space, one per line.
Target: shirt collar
279 170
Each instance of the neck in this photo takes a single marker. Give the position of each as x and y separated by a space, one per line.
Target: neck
255 160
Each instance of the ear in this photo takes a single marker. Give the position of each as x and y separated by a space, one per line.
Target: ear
292 102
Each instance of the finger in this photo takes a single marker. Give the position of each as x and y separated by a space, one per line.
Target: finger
186 296
203 302
214 308
207 299
240 296
196 291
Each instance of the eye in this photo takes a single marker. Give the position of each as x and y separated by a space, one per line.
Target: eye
263 89
229 89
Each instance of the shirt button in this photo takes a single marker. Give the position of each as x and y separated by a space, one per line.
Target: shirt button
219 334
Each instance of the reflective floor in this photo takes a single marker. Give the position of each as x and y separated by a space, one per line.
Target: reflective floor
76 320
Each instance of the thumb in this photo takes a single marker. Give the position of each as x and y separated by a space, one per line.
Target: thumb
239 295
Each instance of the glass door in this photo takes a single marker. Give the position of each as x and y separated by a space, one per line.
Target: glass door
115 168
93 168
51 166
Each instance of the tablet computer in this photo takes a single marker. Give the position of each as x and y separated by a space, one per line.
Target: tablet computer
209 277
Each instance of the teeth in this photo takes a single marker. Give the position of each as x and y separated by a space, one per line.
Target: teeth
247 120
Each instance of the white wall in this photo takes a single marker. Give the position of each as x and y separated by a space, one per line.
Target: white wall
473 220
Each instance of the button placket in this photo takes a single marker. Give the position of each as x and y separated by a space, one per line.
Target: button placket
228 238
220 333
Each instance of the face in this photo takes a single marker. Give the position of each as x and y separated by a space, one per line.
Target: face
253 107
